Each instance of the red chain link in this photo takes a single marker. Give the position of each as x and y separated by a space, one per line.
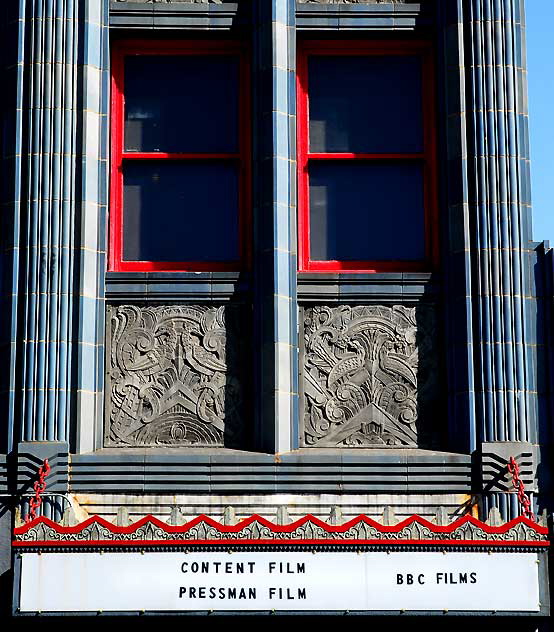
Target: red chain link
39 488
519 486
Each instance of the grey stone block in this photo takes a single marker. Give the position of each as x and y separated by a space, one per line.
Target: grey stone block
376 458
3 474
494 457
31 456
6 515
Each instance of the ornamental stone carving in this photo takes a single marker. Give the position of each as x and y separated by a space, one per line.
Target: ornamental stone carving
206 530
368 371
172 376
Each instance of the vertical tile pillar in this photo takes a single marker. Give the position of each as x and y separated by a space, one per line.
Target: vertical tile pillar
57 206
275 337
499 217
92 206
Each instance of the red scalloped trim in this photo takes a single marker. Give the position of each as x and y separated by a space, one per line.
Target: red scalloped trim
19 531
240 543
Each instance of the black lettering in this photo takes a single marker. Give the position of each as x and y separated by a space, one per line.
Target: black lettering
184 568
420 578
399 579
463 578
251 564
182 592
301 567
205 567
192 592
240 567
272 593
302 591
232 593
473 578
222 593
202 592
217 565
271 567
212 592
251 593
228 567
409 578
194 567
242 594
452 580
439 577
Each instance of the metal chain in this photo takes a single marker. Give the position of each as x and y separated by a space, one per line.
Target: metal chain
519 486
39 487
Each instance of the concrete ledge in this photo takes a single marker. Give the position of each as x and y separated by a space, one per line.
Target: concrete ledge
382 16
174 15
303 471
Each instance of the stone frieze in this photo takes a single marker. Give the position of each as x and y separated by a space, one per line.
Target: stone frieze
172 376
367 373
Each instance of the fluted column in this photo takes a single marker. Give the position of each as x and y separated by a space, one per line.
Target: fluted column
499 216
57 215
499 222
48 238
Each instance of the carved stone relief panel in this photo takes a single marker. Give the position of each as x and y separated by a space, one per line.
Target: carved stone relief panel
368 373
173 376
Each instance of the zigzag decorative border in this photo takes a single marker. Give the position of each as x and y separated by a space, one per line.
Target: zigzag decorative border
256 530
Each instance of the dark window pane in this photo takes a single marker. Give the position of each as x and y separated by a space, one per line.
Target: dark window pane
363 211
368 104
181 103
180 211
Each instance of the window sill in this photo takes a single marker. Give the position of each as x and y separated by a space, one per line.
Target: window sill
185 15
317 287
168 286
383 16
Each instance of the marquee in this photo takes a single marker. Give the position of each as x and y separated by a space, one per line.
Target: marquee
307 566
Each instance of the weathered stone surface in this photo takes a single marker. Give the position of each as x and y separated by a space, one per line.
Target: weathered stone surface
367 372
172 376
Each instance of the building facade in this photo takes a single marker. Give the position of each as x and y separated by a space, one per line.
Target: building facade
271 258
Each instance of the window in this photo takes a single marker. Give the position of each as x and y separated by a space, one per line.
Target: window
366 157
180 156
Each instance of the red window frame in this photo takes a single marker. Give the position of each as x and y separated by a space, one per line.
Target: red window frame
427 157
126 48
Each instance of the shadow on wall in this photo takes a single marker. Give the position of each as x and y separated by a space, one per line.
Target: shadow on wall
544 372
